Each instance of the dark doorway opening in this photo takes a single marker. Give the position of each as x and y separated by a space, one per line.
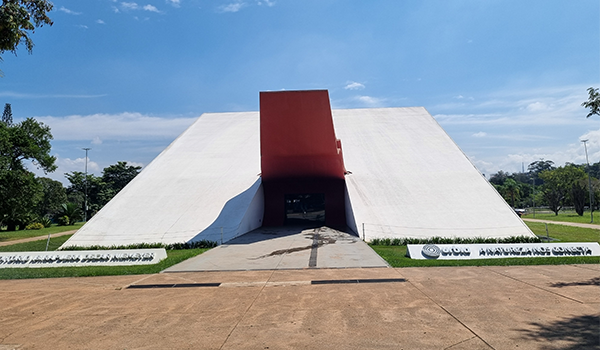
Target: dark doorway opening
306 208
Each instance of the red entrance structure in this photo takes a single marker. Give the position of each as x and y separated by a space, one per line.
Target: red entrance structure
301 158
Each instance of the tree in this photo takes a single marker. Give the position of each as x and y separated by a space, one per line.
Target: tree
53 196
7 115
499 178
100 190
577 185
76 191
511 190
17 18
19 190
563 186
535 168
554 189
117 176
593 102
69 214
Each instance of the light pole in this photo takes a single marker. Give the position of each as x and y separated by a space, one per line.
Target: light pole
589 180
85 208
533 196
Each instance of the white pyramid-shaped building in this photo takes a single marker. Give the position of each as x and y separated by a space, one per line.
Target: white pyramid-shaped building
402 176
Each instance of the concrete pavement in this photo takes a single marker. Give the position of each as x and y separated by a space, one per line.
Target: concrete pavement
277 248
515 307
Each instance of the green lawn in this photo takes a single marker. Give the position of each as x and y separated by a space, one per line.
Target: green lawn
36 246
566 216
396 255
173 257
565 233
13 235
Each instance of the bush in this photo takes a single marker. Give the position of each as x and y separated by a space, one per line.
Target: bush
63 220
455 240
44 220
35 226
172 246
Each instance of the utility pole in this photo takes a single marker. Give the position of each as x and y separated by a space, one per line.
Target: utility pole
86 185
589 181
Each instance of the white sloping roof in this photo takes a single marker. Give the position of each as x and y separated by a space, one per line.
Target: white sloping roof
409 179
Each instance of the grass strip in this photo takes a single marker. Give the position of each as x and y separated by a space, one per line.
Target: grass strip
173 257
565 216
565 233
13 235
396 257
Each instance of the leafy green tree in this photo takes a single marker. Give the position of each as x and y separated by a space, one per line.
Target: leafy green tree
76 191
535 168
511 190
554 189
20 192
100 189
69 214
53 196
499 178
565 185
593 102
19 196
7 115
577 185
18 18
117 176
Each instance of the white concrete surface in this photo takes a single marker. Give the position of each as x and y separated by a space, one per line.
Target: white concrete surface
409 179
205 181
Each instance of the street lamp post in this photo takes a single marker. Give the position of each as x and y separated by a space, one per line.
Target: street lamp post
86 185
589 181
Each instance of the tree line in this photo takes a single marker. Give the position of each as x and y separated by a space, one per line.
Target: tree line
30 201
547 185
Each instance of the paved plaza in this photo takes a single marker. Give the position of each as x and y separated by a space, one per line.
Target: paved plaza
276 248
517 307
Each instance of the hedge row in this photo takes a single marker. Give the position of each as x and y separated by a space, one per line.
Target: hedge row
455 240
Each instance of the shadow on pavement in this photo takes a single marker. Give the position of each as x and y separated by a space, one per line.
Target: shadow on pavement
591 282
580 332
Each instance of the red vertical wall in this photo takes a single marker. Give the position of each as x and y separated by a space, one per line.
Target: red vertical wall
300 153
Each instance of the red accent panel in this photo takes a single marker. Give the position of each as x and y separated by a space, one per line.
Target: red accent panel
297 138
300 153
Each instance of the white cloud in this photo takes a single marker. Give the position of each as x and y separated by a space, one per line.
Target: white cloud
370 101
67 11
480 134
21 95
266 2
124 126
571 153
233 7
96 141
129 6
352 85
151 8
520 108
81 26
537 107
99 21
175 3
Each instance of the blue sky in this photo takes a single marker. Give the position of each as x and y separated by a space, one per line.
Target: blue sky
504 78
